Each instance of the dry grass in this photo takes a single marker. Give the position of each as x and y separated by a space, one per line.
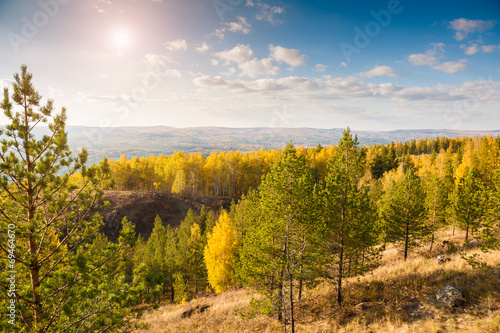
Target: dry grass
400 297
220 317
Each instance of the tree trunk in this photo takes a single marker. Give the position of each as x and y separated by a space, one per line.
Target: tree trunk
300 290
407 236
432 241
454 221
339 280
35 281
173 292
280 304
34 267
292 319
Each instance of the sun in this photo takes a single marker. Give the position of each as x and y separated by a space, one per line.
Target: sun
121 38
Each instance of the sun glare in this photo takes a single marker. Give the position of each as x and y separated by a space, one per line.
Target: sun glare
121 38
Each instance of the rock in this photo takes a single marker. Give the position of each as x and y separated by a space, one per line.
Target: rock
442 259
442 244
366 306
197 309
450 295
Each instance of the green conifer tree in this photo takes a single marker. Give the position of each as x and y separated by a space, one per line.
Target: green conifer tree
280 248
349 214
469 204
404 213
67 276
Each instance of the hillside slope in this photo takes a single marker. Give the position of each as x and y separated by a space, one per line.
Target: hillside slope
399 296
142 207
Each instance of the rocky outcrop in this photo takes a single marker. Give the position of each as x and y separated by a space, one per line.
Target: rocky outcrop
197 309
441 259
451 296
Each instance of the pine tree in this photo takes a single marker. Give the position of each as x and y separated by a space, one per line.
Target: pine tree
154 257
349 213
405 213
280 249
490 233
67 276
127 240
196 263
435 203
469 201
170 260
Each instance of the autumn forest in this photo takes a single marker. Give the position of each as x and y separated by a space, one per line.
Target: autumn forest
300 217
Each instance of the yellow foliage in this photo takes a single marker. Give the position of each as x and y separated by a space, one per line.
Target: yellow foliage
219 254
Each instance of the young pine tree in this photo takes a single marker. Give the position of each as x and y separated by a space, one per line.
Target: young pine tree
280 249
435 203
154 256
404 213
349 214
67 276
469 204
195 258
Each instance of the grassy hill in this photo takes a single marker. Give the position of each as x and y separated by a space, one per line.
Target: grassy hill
398 296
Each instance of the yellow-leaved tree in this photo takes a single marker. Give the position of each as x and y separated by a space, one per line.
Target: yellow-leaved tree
219 254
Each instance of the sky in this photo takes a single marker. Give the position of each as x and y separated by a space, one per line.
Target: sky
371 65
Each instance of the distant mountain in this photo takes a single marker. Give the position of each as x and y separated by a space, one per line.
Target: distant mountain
163 140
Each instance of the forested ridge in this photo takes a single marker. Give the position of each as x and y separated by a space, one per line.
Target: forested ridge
301 217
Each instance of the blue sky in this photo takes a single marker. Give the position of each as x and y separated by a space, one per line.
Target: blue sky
371 65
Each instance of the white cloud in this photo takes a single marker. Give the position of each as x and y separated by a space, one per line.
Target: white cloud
93 98
381 71
219 33
173 73
256 67
209 81
470 50
320 68
156 61
343 64
429 58
230 72
5 83
464 26
476 48
238 54
249 65
451 67
432 58
351 87
54 93
266 12
176 45
203 48
241 26
490 48
423 59
214 62
158 64
291 57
